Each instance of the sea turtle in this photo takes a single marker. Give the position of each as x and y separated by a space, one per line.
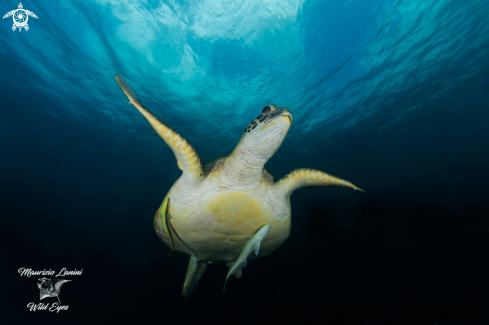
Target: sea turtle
20 17
227 208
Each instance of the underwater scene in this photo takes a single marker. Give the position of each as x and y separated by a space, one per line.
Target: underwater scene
244 162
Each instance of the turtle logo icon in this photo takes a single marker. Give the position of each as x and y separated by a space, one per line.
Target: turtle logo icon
20 17
50 287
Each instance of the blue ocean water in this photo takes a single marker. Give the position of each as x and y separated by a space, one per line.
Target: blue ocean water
390 95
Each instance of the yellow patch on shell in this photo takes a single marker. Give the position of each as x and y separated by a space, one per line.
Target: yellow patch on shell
206 223
237 198
232 209
249 228
268 212
250 209
219 224
221 208
274 223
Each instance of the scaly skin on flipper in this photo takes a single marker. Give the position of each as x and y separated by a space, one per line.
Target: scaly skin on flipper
230 206
308 178
187 158
195 270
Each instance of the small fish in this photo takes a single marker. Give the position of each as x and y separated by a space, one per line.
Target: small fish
252 244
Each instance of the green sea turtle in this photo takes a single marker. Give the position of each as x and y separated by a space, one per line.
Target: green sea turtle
227 208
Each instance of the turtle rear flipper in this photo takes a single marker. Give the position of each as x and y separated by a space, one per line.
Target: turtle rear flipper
195 270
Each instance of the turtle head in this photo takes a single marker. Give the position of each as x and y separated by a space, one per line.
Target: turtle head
264 135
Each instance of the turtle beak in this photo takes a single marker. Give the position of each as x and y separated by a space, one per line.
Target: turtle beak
282 113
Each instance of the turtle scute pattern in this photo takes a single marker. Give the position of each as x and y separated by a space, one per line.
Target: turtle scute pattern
221 225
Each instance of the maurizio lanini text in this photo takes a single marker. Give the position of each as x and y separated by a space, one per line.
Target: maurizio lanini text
30 272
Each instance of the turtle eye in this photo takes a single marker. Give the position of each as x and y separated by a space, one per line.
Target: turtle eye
266 110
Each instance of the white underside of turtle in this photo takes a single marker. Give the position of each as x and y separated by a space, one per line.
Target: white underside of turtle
232 206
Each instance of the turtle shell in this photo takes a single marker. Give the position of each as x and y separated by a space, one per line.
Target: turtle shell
218 226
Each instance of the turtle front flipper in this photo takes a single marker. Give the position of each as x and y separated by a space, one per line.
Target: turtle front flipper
8 14
30 13
308 178
187 158
195 270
